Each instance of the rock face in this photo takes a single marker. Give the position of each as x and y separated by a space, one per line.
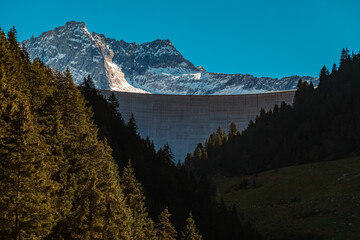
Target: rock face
154 67
84 53
183 121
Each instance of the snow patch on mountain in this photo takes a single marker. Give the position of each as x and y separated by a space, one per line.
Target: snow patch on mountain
117 79
153 67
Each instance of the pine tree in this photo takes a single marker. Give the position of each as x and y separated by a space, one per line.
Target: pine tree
221 137
3 46
26 209
142 226
54 133
89 213
199 152
164 229
131 124
87 84
114 105
334 68
114 101
70 99
98 208
344 56
12 38
324 73
211 142
233 131
118 217
190 231
166 155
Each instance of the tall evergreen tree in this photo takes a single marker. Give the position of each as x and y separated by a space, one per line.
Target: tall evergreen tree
334 68
345 56
13 44
88 84
166 155
190 231
324 72
221 137
94 209
233 131
131 124
114 101
91 173
164 229
142 226
118 219
26 207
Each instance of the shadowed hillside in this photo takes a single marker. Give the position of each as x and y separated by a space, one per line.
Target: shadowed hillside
318 200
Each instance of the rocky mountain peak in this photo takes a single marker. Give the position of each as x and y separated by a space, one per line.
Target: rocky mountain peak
99 36
74 24
154 67
200 68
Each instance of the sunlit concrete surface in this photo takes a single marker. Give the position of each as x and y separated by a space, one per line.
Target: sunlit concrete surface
185 120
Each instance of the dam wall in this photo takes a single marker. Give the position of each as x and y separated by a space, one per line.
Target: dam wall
183 121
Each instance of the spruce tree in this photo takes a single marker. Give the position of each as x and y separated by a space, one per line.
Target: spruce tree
324 72
55 137
131 124
334 68
233 131
12 39
166 155
345 56
92 173
199 152
87 84
221 137
118 217
190 231
114 102
26 207
164 229
142 226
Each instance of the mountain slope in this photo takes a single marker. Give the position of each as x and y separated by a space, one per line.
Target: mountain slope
317 199
154 67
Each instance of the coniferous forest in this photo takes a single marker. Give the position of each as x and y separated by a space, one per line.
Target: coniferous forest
72 168
323 124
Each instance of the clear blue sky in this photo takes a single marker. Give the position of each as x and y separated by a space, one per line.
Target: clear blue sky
262 38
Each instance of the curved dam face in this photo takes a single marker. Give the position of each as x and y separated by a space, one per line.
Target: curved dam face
183 121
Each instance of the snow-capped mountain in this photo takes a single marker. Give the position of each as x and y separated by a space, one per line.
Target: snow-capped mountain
154 67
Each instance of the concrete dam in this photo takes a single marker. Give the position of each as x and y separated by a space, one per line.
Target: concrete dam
183 121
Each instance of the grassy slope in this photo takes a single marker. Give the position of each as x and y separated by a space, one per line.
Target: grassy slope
321 199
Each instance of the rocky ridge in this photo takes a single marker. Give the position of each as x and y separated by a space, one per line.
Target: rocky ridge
153 67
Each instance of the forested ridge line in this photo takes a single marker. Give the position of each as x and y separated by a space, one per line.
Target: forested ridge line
322 124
